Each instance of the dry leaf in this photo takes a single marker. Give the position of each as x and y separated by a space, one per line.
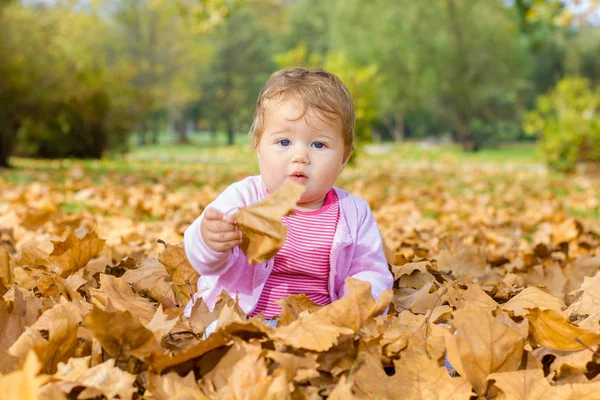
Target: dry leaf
588 301
171 386
5 268
297 368
73 253
161 323
357 306
180 271
108 380
342 391
292 306
418 377
533 297
572 361
249 380
371 381
151 280
482 345
264 233
160 362
121 333
61 322
315 332
552 330
23 384
122 298
531 385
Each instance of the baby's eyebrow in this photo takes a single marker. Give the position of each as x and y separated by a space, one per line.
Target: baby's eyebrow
284 130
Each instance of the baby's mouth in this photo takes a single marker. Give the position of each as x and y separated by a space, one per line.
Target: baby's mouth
299 177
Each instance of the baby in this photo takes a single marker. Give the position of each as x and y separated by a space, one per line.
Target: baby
303 130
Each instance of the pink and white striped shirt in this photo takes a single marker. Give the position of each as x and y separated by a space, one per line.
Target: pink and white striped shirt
302 264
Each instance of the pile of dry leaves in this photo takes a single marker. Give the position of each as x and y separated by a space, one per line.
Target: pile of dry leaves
504 282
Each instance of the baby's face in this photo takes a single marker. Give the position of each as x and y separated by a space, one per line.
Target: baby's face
306 148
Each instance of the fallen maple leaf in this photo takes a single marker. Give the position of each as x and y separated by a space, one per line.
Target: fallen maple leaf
121 333
533 297
264 233
108 380
73 253
160 362
571 361
315 332
249 379
5 268
588 301
297 368
418 377
293 305
122 298
530 384
482 345
180 271
25 383
342 391
161 323
357 306
173 386
551 329
151 279
61 322
371 381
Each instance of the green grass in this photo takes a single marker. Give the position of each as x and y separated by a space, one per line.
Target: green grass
200 138
521 153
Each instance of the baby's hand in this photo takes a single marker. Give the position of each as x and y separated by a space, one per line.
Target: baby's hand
219 231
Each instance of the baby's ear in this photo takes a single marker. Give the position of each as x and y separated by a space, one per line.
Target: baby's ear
346 159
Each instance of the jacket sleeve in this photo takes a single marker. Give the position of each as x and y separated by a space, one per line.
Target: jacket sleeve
205 260
368 261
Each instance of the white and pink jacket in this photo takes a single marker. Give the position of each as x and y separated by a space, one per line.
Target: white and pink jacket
356 251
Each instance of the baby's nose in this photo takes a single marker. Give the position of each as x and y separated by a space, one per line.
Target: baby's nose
300 156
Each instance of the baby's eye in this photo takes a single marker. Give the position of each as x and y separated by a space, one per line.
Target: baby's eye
319 145
284 142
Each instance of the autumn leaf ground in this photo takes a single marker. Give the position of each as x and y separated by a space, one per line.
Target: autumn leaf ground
495 261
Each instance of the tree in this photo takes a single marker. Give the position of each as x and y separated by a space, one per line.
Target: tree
241 65
163 49
398 44
481 66
567 120
59 98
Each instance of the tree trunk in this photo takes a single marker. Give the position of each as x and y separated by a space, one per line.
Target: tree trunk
155 130
182 136
213 134
464 136
8 137
142 133
230 132
399 128
177 124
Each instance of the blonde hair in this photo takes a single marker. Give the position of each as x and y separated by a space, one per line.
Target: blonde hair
314 88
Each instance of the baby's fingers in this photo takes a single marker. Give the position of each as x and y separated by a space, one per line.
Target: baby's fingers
211 214
220 226
225 237
224 246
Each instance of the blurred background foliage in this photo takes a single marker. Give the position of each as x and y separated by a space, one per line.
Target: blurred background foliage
84 78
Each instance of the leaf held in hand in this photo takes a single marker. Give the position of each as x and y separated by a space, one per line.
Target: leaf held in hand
264 233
